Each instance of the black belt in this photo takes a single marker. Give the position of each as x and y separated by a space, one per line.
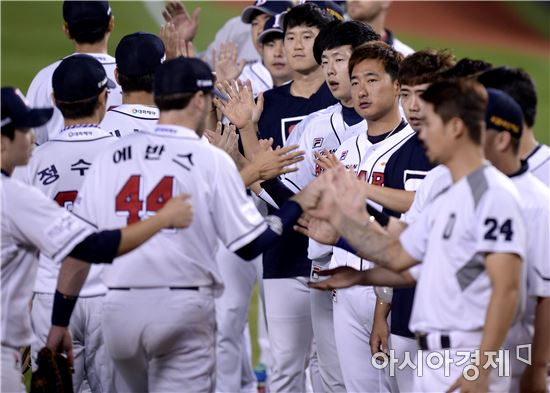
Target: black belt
422 340
170 288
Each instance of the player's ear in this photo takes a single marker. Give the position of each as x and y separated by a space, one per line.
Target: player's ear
456 127
111 25
116 75
503 140
396 87
65 29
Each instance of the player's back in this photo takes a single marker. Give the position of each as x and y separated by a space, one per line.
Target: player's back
134 177
40 92
129 118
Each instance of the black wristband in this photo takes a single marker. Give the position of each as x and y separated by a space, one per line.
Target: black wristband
63 307
380 217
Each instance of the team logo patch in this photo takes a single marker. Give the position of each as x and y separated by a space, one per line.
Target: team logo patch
318 142
343 155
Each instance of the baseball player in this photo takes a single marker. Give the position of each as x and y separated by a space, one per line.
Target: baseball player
58 168
457 226
137 57
374 14
88 24
519 85
332 49
382 155
31 222
171 348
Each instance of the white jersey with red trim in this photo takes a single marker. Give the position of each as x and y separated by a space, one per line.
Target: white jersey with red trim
40 92
58 168
368 161
31 222
129 118
133 178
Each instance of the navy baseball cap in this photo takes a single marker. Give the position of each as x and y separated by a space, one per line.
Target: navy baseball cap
16 112
271 29
79 77
183 75
331 8
139 54
269 7
503 113
86 16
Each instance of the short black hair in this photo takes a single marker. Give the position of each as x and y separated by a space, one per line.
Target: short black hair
337 33
466 67
377 50
78 109
308 14
9 132
463 98
173 101
136 83
517 84
88 37
424 66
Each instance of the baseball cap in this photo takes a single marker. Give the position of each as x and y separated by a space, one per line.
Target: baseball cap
16 112
503 113
86 16
139 54
273 26
79 77
183 75
270 7
331 8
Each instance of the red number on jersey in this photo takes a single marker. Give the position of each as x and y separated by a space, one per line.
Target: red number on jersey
65 198
128 200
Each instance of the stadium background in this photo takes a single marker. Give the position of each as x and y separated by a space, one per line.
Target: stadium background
503 33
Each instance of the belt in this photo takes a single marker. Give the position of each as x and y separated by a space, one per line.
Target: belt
422 340
170 288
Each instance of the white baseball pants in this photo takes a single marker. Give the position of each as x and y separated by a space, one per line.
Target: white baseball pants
90 360
161 340
402 381
12 379
353 316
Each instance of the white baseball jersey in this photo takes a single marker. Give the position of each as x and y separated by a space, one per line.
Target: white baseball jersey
58 168
368 161
539 163
479 214
324 129
40 92
136 175
129 118
399 46
30 223
259 77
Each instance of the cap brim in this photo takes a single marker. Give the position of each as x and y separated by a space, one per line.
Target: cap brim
34 118
246 15
263 35
110 83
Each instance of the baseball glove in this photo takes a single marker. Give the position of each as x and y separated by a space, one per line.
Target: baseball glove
53 374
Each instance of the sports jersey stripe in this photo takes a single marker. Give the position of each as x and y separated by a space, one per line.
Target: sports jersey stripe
334 129
540 164
389 150
85 220
470 271
267 85
73 241
245 234
544 278
294 184
136 117
82 140
478 184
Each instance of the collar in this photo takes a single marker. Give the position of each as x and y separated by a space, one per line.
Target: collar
524 168
532 153
379 138
137 110
80 132
175 131
351 117
103 58
5 173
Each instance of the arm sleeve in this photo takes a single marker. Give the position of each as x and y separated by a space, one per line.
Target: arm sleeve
99 247
42 223
236 217
414 238
306 173
277 190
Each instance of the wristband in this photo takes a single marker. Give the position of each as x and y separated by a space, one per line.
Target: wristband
63 307
382 218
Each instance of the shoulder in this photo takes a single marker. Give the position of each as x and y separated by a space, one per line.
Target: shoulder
320 117
489 185
277 93
404 49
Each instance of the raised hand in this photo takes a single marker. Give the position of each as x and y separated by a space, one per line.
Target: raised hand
326 160
226 65
240 107
186 25
177 212
316 229
272 163
340 277
228 141
173 44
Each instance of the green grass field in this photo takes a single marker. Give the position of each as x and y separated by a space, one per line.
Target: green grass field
31 38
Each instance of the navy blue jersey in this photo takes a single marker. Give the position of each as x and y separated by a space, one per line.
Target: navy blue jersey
282 111
404 170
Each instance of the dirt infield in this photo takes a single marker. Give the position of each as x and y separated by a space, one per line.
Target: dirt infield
481 22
